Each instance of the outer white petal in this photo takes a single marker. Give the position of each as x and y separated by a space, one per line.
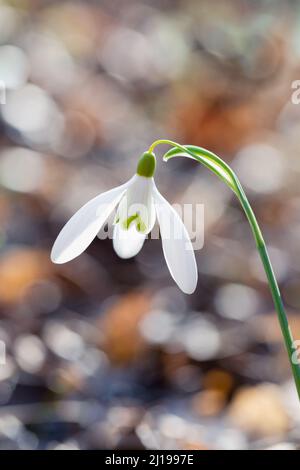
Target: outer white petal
82 228
177 246
127 243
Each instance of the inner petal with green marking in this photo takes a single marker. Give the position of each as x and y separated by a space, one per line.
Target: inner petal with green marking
137 206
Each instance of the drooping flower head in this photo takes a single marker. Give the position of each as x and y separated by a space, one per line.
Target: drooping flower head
138 203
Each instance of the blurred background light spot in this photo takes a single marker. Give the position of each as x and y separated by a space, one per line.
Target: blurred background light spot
200 339
63 341
237 301
282 446
70 444
231 439
157 54
7 370
10 425
92 361
251 403
49 57
157 326
14 68
137 64
32 112
4 335
21 169
121 416
261 168
9 20
148 436
173 426
27 440
170 50
30 353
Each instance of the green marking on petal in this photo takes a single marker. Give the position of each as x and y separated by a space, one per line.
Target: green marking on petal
126 224
141 226
139 223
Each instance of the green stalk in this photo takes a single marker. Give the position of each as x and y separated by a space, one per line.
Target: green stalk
223 171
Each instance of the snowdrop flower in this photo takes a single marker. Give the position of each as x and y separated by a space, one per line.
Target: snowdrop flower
138 203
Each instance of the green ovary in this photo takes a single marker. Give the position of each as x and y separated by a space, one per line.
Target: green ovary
146 165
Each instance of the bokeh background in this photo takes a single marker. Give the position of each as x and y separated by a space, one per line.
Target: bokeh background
104 353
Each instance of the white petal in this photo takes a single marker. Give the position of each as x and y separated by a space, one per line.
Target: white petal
139 200
127 243
82 228
177 246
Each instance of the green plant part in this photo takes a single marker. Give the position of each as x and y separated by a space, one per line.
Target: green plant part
146 165
226 174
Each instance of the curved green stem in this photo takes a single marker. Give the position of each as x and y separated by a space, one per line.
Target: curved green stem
219 167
